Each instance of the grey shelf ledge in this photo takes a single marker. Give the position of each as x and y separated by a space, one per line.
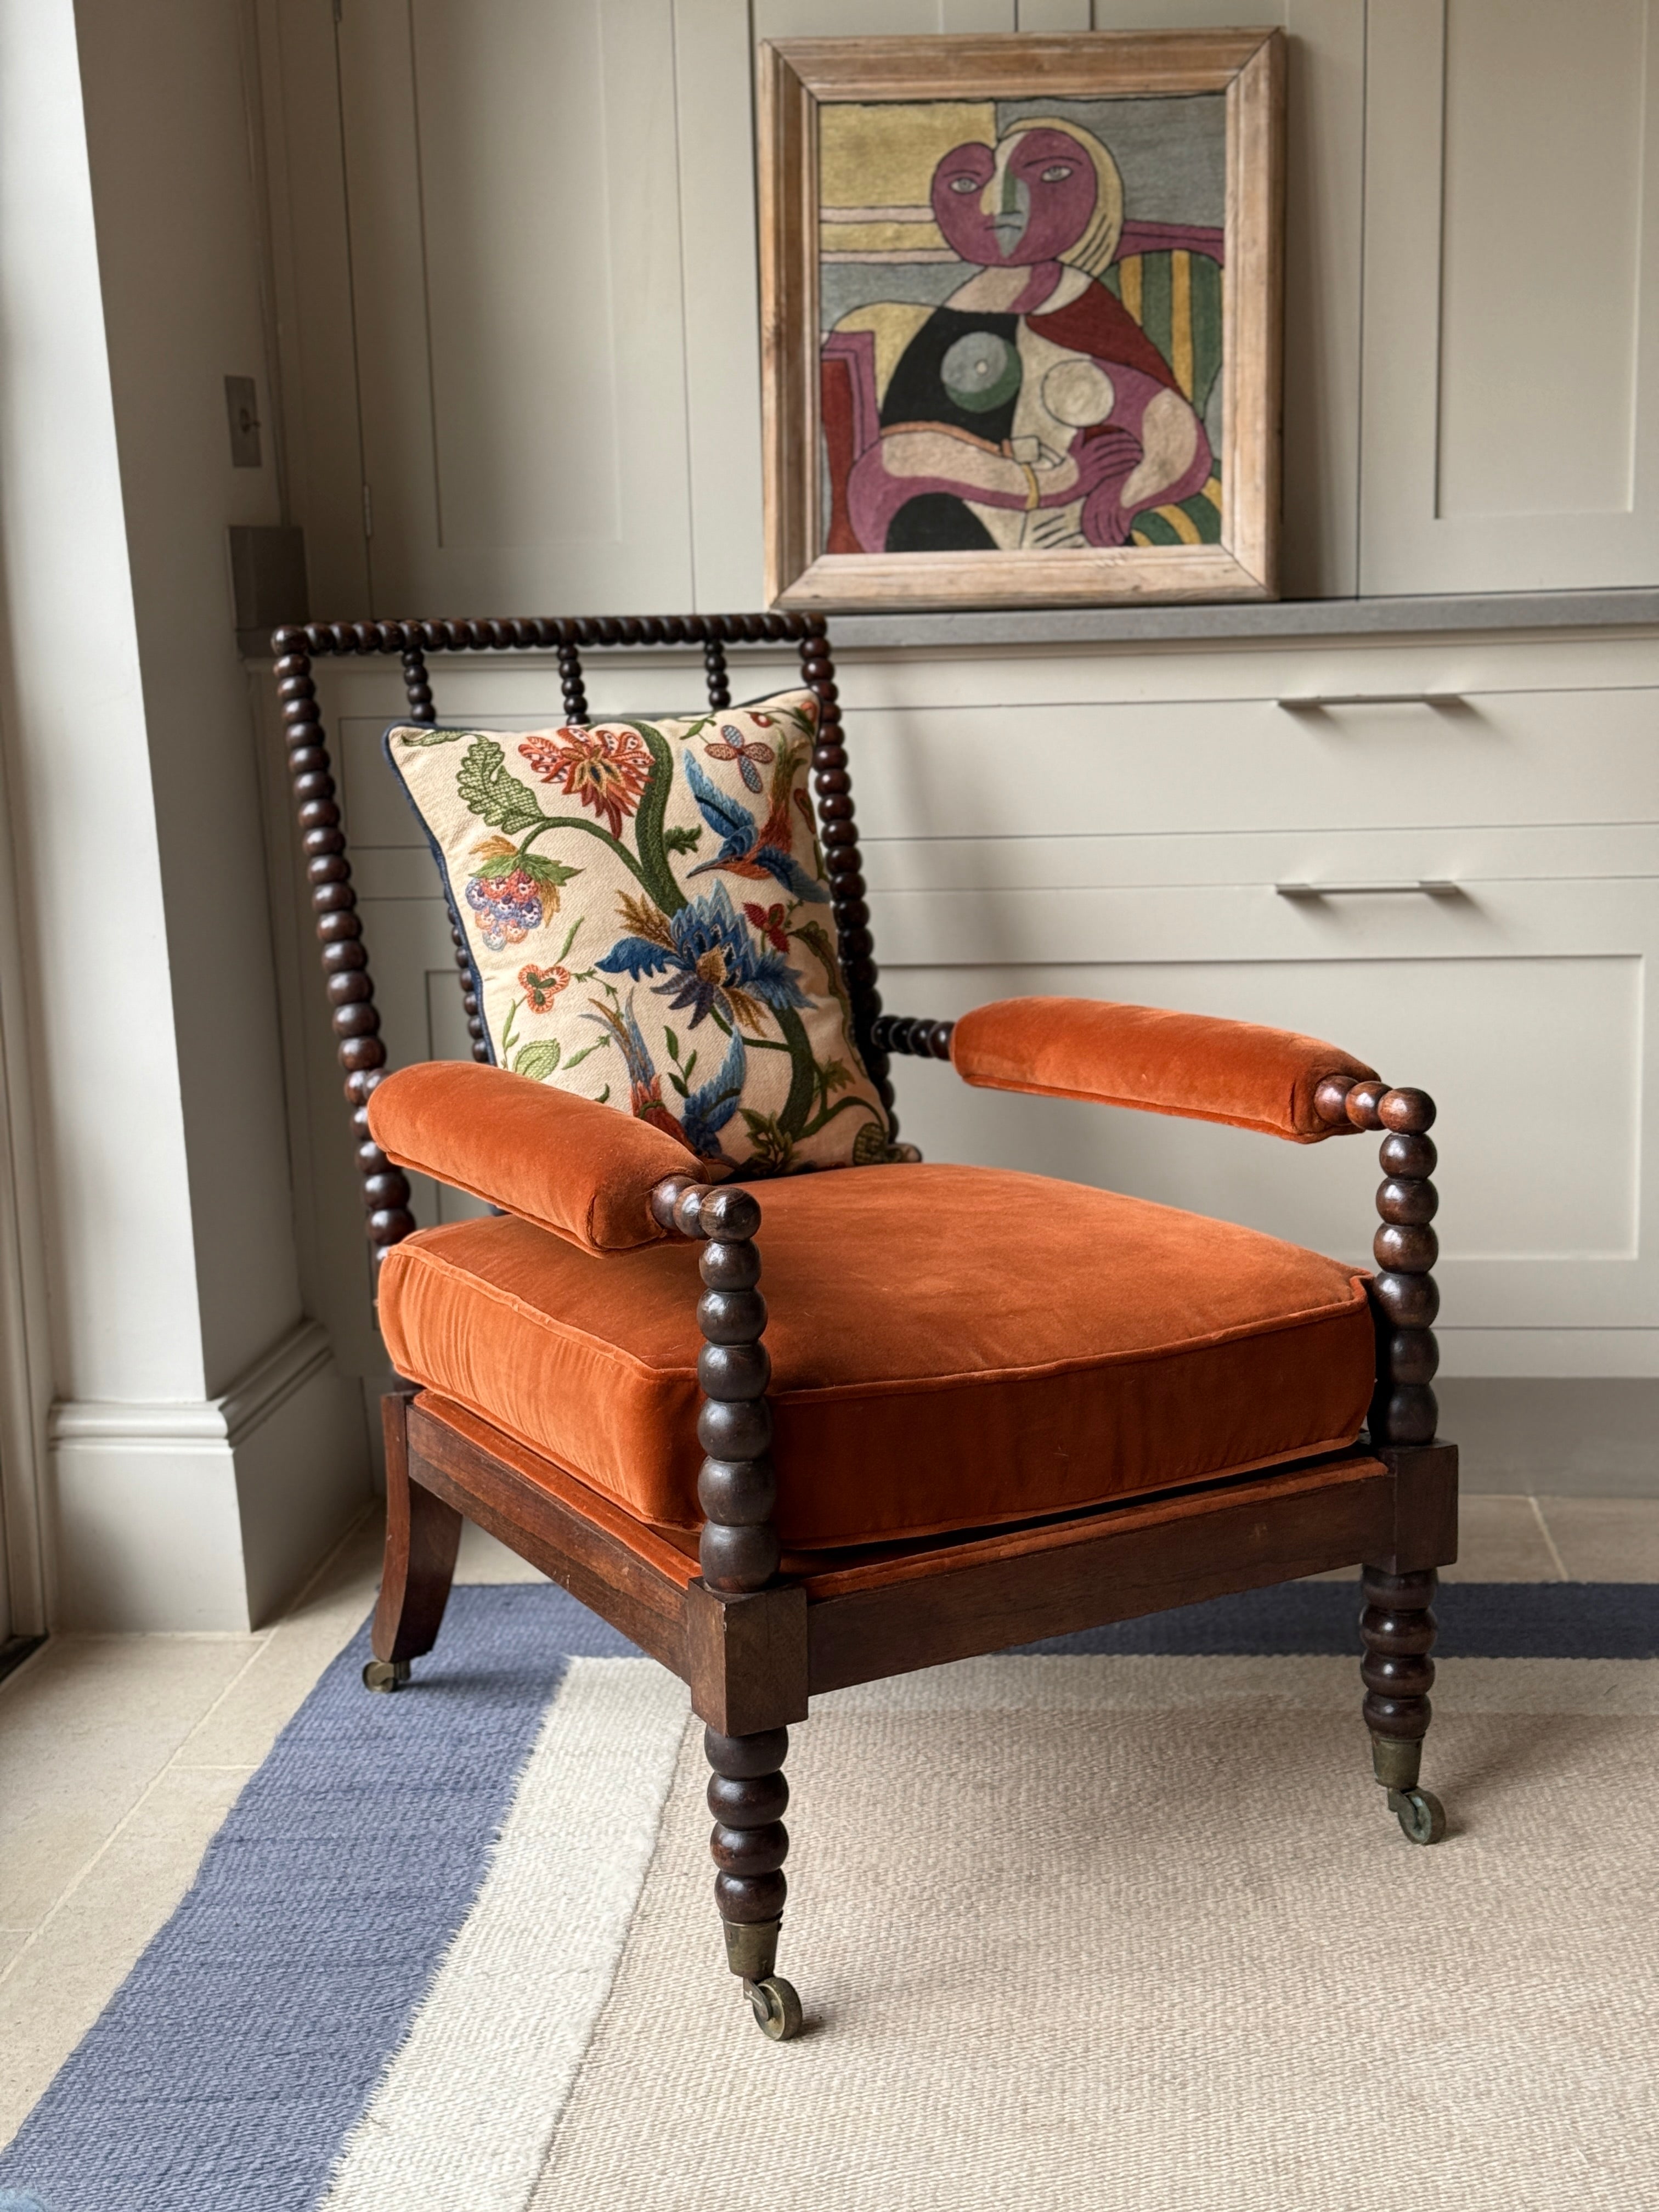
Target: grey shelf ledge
1269 620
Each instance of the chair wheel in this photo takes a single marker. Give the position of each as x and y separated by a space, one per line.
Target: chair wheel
1422 1816
777 2009
386 1674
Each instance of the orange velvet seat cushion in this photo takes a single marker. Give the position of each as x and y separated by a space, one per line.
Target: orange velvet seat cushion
950 1347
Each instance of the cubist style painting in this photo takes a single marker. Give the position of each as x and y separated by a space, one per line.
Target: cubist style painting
1020 304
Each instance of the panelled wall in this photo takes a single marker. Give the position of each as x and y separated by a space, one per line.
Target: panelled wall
516 257
515 247
515 271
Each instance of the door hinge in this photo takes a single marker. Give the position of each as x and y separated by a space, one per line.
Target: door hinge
369 512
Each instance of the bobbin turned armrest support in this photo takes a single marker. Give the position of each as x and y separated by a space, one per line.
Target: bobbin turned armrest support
1405 1298
583 1170
1159 1061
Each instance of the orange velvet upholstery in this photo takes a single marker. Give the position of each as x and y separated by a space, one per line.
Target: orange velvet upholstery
1145 1056
581 1169
951 1347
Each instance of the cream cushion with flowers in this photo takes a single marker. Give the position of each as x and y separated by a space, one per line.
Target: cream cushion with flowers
647 911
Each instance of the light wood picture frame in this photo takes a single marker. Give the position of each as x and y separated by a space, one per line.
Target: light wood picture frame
1073 398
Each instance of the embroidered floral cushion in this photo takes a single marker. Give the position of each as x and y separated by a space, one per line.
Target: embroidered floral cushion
648 912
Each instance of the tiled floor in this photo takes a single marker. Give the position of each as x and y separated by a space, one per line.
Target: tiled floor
120 1755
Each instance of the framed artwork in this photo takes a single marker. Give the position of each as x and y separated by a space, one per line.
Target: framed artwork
1020 299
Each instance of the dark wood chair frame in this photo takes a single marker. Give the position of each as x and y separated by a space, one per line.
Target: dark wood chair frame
753 1643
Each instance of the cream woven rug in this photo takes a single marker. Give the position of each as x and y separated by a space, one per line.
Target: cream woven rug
1140 1933
1129 1932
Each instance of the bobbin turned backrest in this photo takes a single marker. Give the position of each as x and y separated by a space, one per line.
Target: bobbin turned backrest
345 962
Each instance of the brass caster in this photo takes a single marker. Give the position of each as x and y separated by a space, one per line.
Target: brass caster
777 2009
1422 1816
386 1674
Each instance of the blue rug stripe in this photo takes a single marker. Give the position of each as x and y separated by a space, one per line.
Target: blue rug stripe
1478 1620
227 2072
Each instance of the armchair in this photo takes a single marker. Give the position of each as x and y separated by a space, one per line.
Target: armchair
978 1409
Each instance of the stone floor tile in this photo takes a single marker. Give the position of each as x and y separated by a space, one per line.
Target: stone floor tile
1501 1539
1605 1540
246 1721
85 1728
66 1972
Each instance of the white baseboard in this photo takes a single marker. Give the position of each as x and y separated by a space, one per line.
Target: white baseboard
205 1514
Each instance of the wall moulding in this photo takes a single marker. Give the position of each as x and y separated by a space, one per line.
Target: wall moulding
206 1513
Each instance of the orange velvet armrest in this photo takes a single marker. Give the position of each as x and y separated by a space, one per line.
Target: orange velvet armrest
1164 1063
583 1170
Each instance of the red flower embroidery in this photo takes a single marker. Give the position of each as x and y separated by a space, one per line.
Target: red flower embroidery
605 770
543 985
770 920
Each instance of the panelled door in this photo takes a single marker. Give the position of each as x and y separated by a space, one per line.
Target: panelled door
512 201
1510 441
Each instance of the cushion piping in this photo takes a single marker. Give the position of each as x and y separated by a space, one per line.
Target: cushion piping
919 1385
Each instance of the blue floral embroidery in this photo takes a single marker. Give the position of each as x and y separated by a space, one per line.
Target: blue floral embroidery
713 961
711 1106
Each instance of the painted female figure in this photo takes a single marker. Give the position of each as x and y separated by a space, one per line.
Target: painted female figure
1029 411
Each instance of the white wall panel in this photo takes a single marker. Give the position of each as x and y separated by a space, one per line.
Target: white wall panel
1511 292
516 275
1541 201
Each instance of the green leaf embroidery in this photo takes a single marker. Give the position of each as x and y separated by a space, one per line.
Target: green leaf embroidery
577 1058
507 1027
816 938
774 1145
603 1098
538 1061
570 939
685 839
487 788
673 1043
652 867
870 1147
804 1074
536 865
432 737
680 1085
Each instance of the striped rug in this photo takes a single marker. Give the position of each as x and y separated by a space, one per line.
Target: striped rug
1118 1923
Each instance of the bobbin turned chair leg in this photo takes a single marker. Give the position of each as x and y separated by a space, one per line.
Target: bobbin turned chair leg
739 1551
1397 1626
422 1536
747 1795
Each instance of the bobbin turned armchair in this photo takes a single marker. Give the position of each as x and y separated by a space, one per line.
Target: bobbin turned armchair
976 1409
